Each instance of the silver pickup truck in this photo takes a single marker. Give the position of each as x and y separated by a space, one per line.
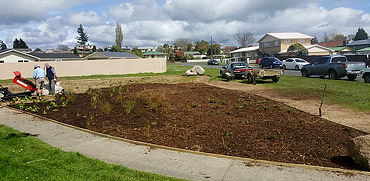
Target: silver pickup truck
366 75
336 66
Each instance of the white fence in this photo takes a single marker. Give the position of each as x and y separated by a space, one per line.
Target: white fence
87 67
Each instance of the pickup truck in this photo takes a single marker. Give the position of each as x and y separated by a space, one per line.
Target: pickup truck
336 66
237 69
366 75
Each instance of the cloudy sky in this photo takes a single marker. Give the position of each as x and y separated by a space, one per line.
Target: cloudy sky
47 24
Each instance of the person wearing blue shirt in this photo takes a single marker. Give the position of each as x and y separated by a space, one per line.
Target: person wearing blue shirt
39 76
52 77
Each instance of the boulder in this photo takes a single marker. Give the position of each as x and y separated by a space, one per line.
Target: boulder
359 150
196 70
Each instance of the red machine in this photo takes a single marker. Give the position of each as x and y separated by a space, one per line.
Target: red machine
6 95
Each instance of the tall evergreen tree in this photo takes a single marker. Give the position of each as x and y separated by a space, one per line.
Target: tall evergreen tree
94 48
82 37
314 41
22 44
119 36
361 34
3 46
16 43
75 51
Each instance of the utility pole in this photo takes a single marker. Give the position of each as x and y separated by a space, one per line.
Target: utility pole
211 49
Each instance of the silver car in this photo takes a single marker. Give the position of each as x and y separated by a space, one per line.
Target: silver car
294 63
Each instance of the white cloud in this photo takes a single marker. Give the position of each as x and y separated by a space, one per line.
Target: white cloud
85 18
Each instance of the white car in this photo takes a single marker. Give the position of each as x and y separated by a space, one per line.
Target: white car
294 63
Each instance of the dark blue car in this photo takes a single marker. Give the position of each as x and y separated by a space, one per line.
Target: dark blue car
270 62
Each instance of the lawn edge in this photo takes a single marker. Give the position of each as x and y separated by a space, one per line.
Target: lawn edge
291 165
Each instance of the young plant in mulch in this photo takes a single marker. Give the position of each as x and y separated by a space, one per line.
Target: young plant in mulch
224 142
320 139
130 104
290 110
94 101
141 113
246 121
212 100
194 105
218 113
106 108
241 106
64 104
71 96
272 136
223 102
90 119
148 127
120 98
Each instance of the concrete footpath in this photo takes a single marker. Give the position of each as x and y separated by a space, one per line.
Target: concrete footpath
161 161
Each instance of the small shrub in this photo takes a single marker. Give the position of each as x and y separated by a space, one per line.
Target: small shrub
94 101
129 106
106 108
90 91
217 106
71 97
119 98
53 104
64 104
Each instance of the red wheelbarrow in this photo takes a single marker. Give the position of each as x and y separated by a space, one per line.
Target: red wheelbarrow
6 95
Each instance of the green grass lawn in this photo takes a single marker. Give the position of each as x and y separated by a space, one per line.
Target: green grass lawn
354 95
27 158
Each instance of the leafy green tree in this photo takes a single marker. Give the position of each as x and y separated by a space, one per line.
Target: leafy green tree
314 41
361 34
137 52
16 44
171 57
297 49
22 43
82 37
94 48
201 47
106 49
214 49
338 37
3 46
37 50
115 48
190 47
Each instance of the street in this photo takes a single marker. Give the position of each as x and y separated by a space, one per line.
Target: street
286 72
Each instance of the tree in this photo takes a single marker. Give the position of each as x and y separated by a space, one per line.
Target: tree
137 52
115 48
326 37
337 37
190 47
16 43
297 49
82 37
201 46
314 41
361 35
350 37
75 51
244 39
37 50
63 47
214 49
160 48
182 43
22 43
3 46
119 35
94 49
171 57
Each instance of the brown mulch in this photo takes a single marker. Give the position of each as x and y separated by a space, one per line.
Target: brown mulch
208 119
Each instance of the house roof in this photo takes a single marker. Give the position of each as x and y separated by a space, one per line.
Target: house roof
364 50
14 50
360 42
191 53
308 47
114 55
55 55
293 35
155 53
230 48
338 49
332 44
245 49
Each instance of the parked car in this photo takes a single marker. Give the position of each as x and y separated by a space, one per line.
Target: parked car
235 68
213 62
270 62
366 75
294 63
336 66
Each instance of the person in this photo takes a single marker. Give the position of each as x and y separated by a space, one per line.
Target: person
52 77
39 76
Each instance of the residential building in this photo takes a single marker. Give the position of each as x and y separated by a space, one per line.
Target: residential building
15 56
147 49
339 43
56 56
247 53
273 43
360 44
229 49
364 51
111 56
343 50
313 50
155 54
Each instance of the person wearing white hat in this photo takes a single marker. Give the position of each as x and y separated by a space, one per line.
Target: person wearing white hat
39 76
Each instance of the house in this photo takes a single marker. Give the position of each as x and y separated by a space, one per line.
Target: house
360 44
364 51
343 50
229 49
111 56
147 49
273 43
56 56
339 43
249 52
155 54
15 56
313 50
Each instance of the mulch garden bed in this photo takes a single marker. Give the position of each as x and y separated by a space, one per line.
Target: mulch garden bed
203 118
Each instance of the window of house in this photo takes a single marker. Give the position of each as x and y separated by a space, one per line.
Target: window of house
266 44
1 61
23 61
287 41
276 43
302 41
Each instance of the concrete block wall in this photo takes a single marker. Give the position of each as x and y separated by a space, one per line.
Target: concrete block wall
87 67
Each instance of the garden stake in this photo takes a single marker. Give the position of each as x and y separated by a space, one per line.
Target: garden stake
322 99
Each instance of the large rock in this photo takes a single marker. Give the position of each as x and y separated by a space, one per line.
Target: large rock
196 70
359 150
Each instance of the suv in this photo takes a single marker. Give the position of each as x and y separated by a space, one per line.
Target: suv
213 62
270 62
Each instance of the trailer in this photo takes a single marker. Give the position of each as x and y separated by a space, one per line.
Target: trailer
263 74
